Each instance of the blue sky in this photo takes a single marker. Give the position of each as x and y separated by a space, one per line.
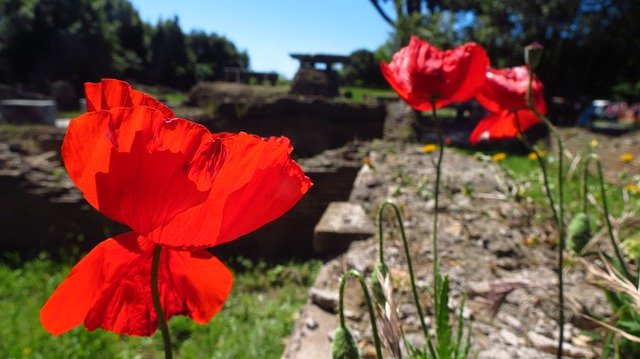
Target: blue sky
271 29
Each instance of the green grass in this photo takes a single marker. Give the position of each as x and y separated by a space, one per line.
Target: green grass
527 173
359 94
256 318
69 114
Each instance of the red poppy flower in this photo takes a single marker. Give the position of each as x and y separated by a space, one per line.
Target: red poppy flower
504 94
502 125
174 184
421 72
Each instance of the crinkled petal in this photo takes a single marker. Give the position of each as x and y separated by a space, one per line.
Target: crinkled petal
111 288
111 93
137 167
506 89
502 125
421 72
257 183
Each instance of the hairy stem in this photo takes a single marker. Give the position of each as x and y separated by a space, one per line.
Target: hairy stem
560 216
414 289
436 195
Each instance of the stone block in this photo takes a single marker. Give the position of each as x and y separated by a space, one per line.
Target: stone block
28 111
341 224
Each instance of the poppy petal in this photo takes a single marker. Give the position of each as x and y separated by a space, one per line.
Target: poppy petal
111 93
257 183
111 288
420 73
69 304
506 89
137 167
502 125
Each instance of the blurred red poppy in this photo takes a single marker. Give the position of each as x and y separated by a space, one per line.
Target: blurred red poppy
421 73
505 89
504 94
502 125
174 184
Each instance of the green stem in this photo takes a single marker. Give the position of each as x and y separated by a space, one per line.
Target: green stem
560 217
374 327
414 289
543 168
166 337
585 177
436 195
605 206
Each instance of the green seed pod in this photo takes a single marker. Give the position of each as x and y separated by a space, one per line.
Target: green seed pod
344 345
379 271
579 233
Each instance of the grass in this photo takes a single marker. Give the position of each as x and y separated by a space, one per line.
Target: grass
257 316
526 172
359 94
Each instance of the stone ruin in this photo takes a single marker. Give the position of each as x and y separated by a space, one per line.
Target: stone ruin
244 76
310 80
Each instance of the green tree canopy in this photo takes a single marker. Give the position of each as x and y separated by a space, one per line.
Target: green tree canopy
42 41
590 45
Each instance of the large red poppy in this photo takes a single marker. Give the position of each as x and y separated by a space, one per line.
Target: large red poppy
421 73
174 184
504 95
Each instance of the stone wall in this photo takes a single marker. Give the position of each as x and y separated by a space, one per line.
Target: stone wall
313 124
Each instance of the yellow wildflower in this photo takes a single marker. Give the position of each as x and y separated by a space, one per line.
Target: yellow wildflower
533 156
632 188
594 143
429 148
626 157
500 156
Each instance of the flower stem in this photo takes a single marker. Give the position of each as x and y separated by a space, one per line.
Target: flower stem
166 337
605 207
367 298
560 215
416 299
436 195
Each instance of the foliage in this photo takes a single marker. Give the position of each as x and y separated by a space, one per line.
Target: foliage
42 41
363 70
591 46
260 310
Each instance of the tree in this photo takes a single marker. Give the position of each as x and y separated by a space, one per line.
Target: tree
590 45
212 53
363 70
169 62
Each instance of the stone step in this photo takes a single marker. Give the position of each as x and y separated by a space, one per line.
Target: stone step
341 224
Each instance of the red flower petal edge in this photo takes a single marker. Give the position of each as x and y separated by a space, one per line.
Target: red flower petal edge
139 168
257 183
420 72
111 93
110 288
502 125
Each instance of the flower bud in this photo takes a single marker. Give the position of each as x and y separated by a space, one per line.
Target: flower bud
344 345
579 233
532 55
379 271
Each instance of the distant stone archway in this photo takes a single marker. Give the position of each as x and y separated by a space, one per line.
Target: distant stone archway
310 80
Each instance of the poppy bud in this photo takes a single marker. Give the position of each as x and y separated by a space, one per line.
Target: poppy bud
379 271
532 55
579 233
344 345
